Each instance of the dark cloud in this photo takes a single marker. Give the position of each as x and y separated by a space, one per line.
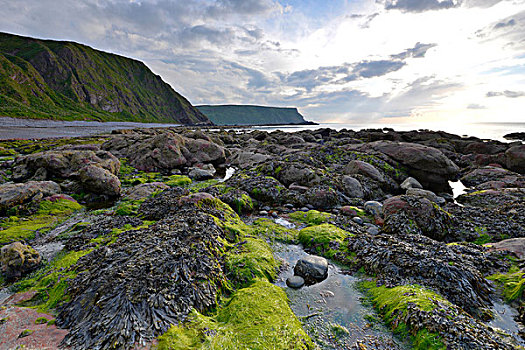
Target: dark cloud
419 5
506 93
511 22
418 51
370 69
347 72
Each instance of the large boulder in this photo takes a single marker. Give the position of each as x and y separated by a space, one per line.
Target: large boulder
363 168
145 190
485 174
12 194
17 259
515 158
98 180
165 150
427 164
64 164
416 214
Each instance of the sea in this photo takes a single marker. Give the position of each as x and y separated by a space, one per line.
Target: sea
13 128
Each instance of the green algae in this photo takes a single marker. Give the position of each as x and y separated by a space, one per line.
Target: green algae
250 259
256 317
48 215
51 281
178 181
130 176
392 304
311 217
41 320
326 239
128 207
512 283
268 229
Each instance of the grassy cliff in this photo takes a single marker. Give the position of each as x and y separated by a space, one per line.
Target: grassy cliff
62 80
251 115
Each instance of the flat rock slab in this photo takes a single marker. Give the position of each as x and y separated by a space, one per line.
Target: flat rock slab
512 245
21 319
312 268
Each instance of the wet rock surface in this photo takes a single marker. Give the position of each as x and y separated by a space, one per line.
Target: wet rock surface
312 269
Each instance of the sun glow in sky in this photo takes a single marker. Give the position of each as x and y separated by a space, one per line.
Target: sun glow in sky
446 61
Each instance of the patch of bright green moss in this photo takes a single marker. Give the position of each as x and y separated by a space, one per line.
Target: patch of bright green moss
58 207
250 259
51 282
321 236
198 186
392 305
513 283
41 320
311 217
256 317
128 207
178 181
268 229
48 216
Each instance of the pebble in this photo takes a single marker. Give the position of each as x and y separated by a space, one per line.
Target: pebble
357 220
373 207
263 213
274 214
295 282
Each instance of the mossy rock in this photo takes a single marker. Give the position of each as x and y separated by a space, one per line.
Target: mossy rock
392 303
311 217
256 317
252 258
268 229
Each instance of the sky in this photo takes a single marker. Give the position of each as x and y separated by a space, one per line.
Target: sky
363 61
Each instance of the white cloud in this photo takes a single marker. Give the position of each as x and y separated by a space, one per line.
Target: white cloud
359 60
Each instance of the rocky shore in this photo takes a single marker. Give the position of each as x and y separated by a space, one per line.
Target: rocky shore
160 238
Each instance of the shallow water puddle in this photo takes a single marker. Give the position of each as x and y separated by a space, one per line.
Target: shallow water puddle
504 319
332 311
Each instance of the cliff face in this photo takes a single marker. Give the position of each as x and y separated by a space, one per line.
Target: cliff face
69 81
251 115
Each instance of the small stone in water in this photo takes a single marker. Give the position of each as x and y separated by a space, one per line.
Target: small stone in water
295 282
263 213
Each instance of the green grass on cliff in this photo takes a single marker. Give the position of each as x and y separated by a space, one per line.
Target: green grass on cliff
46 79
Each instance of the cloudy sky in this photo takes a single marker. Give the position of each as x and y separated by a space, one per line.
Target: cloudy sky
337 61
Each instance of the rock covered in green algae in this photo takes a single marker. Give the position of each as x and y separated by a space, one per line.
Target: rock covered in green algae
17 259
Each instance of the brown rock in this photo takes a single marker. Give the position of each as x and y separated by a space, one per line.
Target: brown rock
16 259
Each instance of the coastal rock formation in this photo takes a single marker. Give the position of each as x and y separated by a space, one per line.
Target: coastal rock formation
427 164
164 151
179 257
12 194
